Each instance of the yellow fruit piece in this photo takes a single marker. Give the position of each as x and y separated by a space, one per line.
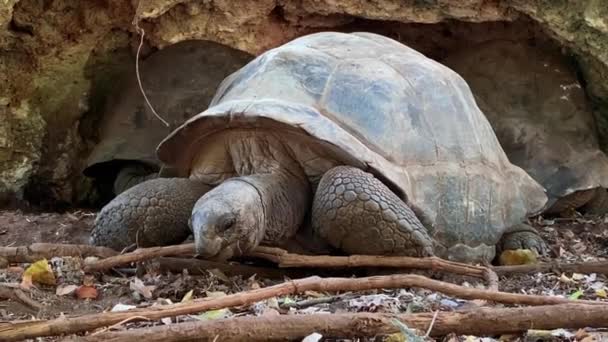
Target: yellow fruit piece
396 337
601 293
40 272
518 257
214 314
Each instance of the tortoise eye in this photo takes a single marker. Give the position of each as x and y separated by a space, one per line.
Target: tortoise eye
226 223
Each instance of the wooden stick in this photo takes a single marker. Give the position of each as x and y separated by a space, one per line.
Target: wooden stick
197 266
37 251
478 322
289 260
14 331
600 267
14 293
140 254
285 260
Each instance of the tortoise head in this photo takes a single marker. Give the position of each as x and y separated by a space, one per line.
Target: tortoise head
228 220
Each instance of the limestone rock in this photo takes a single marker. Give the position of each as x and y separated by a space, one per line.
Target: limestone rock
59 58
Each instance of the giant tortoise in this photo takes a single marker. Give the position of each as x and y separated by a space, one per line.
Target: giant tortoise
539 111
384 149
180 81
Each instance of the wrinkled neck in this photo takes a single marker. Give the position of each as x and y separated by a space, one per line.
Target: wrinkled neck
262 159
268 164
285 201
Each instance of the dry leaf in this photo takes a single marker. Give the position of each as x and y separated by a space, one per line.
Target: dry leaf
601 293
86 292
88 280
39 272
138 286
268 311
314 294
564 279
215 294
122 307
518 257
272 303
187 297
314 337
589 339
26 282
580 334
219 275
254 285
578 276
65 290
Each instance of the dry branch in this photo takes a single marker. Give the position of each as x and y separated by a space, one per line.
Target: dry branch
479 322
284 259
14 331
288 260
14 293
140 254
600 267
37 251
197 266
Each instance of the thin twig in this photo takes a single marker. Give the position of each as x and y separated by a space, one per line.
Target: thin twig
428 332
12 293
37 251
315 301
599 267
140 254
126 320
141 88
15 331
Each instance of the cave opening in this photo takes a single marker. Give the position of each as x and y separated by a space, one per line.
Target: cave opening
112 75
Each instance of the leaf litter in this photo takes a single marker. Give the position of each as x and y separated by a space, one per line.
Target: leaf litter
57 282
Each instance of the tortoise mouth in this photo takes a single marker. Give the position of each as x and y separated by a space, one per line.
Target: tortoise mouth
217 249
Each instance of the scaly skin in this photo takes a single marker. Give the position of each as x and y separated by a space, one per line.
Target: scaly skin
240 213
152 213
522 236
357 213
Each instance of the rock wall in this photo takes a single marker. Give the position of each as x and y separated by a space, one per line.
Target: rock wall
59 59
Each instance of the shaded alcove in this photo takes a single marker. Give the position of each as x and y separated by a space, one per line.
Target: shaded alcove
113 67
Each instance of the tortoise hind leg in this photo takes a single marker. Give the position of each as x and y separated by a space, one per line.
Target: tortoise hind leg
522 236
358 214
132 174
152 213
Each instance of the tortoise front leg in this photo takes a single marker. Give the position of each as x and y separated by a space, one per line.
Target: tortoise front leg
522 236
358 214
152 213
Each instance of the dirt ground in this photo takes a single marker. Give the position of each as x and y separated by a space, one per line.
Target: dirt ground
578 239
